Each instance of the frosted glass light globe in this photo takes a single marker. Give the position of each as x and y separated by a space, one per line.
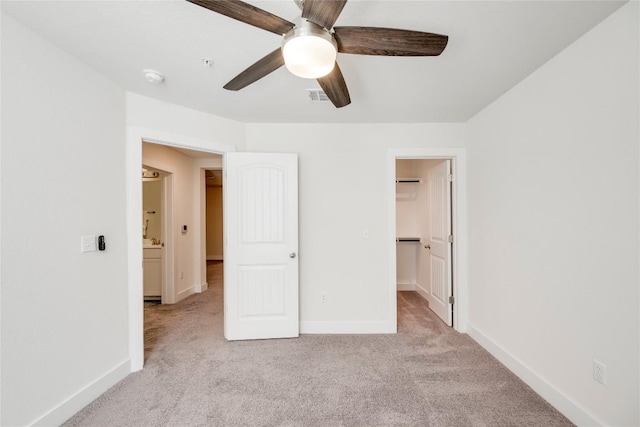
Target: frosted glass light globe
309 56
309 51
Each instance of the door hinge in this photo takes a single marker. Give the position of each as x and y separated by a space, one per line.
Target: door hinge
451 299
450 177
450 238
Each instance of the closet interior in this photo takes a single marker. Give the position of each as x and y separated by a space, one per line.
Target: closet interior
424 236
411 219
413 224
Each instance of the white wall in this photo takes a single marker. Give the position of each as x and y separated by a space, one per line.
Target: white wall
553 171
343 190
157 115
64 313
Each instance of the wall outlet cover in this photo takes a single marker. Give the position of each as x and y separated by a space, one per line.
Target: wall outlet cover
599 372
88 244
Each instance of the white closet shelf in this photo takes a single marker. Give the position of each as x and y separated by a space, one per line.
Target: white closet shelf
408 180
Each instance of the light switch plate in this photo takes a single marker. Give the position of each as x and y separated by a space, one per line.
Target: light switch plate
88 244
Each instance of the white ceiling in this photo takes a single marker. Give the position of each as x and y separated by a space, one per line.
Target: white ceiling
492 46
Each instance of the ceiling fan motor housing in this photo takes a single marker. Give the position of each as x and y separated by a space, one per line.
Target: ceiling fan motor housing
309 50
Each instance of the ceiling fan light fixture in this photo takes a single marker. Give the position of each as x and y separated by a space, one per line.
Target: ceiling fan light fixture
309 51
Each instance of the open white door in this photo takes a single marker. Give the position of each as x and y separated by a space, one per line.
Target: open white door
261 246
440 240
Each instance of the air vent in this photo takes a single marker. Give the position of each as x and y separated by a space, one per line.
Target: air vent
317 95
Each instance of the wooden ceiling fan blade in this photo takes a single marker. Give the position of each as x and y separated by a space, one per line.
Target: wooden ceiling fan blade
248 14
335 87
265 66
388 41
323 12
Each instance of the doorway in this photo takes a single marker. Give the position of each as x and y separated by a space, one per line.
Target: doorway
183 194
174 211
214 214
458 221
424 232
195 272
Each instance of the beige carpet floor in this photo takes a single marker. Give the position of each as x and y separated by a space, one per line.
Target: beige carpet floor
426 375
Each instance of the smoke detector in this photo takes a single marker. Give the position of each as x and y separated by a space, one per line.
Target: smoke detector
153 76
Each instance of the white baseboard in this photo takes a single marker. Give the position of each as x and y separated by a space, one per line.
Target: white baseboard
555 397
406 286
214 258
185 293
373 327
422 291
82 398
195 289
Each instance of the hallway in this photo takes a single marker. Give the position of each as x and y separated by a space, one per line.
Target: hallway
161 321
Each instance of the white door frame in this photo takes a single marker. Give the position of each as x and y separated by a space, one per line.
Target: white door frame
460 233
133 185
168 274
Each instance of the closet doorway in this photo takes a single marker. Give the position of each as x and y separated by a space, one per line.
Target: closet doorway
424 232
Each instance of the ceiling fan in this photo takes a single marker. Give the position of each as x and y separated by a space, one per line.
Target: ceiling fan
309 47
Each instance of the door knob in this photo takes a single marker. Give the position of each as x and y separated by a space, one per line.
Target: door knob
292 255
427 246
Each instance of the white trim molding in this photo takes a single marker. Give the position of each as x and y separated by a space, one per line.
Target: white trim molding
358 327
195 289
82 398
576 414
187 292
422 291
406 286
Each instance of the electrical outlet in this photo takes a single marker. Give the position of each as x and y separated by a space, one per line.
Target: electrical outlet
182 274
599 372
323 297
